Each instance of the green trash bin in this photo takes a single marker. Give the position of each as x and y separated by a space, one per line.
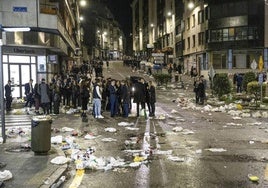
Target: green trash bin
41 134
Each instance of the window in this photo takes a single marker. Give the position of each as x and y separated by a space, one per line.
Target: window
188 43
225 34
193 17
188 23
201 38
193 40
216 35
231 33
201 16
241 33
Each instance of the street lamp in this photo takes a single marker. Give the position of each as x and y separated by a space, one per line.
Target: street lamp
2 103
83 3
190 5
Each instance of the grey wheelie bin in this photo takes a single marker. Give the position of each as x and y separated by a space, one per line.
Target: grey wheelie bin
41 134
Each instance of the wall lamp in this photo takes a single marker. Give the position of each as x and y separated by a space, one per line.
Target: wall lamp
16 29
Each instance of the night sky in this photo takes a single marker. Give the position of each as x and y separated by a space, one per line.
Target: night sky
122 12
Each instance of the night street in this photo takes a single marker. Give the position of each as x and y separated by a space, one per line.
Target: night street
180 147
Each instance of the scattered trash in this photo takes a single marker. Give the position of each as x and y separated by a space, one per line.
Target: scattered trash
174 111
253 178
176 159
177 129
58 184
56 139
60 160
66 129
5 175
138 159
110 129
216 149
108 140
132 128
251 142
187 132
124 124
159 152
237 118
90 137
46 181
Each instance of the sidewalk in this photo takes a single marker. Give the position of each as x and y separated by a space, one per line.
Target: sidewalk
29 170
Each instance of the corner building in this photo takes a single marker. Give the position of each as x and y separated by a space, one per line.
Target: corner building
49 45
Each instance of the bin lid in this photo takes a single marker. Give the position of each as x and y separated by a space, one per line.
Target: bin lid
42 118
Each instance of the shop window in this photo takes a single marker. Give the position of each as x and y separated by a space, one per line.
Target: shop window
231 33
19 59
240 33
5 60
216 35
225 34
41 63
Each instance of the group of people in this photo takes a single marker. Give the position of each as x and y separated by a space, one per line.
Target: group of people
115 96
78 90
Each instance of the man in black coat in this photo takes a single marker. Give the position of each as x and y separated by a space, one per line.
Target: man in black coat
139 95
29 93
8 95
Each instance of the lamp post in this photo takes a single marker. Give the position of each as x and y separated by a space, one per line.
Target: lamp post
2 103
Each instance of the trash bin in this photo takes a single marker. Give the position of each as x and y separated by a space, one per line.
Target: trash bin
41 134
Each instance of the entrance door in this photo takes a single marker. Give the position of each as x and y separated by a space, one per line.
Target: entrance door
19 76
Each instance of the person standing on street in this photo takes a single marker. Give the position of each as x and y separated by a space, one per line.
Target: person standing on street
44 93
152 99
8 95
29 94
125 98
112 98
97 100
139 96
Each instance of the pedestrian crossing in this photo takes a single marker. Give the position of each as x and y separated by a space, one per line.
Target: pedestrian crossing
17 120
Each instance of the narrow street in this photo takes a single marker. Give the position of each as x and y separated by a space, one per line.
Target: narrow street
185 145
210 149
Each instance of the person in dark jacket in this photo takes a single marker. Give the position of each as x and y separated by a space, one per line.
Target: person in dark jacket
152 99
8 95
44 93
84 92
125 98
29 93
75 89
113 98
37 99
56 97
201 93
139 95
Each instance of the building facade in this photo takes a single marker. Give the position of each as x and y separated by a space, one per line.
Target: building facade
227 36
105 38
153 28
40 39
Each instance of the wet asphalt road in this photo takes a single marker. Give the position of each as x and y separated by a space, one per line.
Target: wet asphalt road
245 144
